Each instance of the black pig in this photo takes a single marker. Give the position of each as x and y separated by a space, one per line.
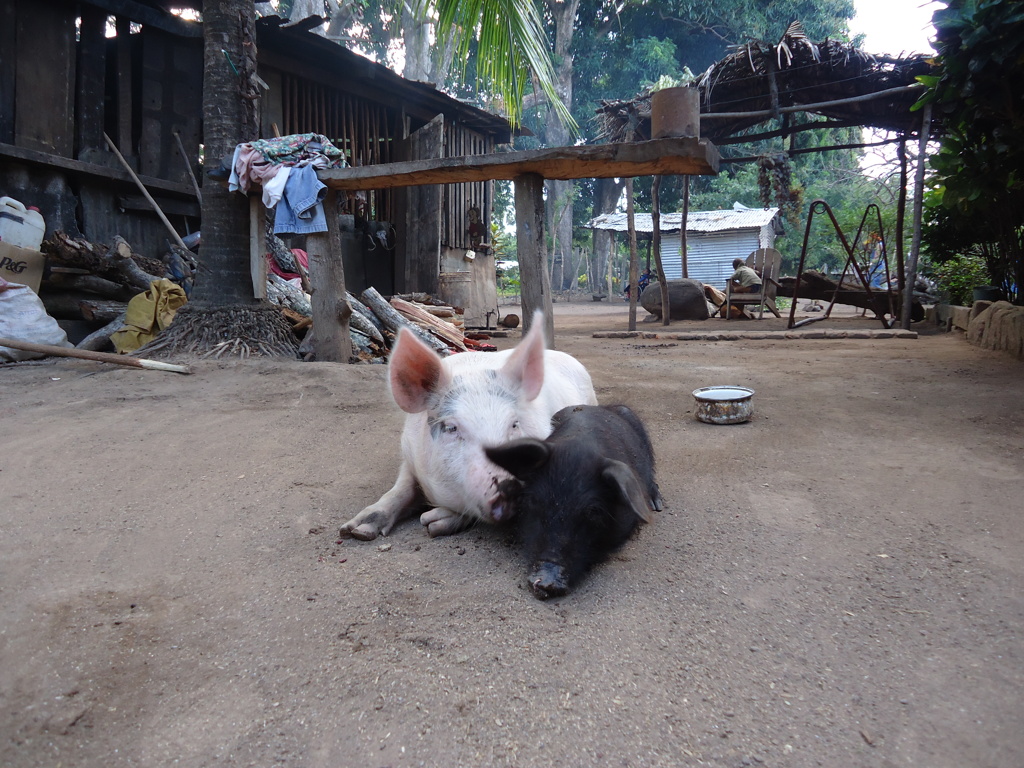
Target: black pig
580 493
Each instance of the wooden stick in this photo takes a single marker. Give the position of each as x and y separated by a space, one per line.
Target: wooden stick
145 193
188 166
100 357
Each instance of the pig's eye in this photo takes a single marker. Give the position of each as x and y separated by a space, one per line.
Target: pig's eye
515 425
449 429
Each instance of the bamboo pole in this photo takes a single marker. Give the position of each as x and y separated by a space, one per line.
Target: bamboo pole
188 167
145 193
99 357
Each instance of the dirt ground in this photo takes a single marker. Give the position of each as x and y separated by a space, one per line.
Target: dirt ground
836 583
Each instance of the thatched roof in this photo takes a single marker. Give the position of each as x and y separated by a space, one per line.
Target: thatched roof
759 80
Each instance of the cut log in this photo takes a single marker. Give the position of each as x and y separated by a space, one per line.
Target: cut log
98 286
446 331
99 341
116 263
280 291
76 306
394 321
365 311
815 285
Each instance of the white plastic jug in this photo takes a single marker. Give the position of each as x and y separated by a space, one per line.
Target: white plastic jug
21 226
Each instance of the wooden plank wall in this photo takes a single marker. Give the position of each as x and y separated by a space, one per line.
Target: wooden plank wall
362 129
170 99
459 198
44 77
366 132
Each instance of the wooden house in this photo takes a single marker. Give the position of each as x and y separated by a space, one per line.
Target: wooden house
71 72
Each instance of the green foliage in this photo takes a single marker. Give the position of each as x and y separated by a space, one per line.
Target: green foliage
960 275
508 281
511 47
979 169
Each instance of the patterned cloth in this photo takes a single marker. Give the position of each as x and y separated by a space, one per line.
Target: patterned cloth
301 149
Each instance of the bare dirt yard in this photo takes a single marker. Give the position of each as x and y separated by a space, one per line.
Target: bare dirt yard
837 582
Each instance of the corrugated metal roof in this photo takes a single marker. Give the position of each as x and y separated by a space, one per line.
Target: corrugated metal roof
696 221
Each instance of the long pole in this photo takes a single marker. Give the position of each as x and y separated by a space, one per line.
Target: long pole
100 357
145 193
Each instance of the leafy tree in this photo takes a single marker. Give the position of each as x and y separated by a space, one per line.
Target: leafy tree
978 95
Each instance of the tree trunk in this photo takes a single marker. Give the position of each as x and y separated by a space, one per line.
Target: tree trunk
227 120
416 37
560 191
606 195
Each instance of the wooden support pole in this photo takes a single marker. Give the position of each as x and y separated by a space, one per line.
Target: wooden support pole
666 308
258 247
535 287
915 244
634 272
683 224
333 341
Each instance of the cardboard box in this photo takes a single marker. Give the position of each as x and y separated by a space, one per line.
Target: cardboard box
20 265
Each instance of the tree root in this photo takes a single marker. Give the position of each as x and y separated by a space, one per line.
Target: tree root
240 331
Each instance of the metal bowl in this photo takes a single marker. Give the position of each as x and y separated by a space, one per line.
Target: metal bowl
724 404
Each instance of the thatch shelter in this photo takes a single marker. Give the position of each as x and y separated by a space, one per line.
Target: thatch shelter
759 81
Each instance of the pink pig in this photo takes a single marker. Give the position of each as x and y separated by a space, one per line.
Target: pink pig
457 407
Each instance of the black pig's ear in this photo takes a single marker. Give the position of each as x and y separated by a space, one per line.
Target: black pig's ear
520 457
621 477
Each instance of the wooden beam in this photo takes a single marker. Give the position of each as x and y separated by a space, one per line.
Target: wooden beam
682 157
91 169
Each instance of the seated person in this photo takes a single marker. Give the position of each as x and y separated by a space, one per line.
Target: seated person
744 279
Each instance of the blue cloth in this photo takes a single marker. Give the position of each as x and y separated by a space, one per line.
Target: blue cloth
301 209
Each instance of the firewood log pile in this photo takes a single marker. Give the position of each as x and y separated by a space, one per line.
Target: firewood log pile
92 283
376 321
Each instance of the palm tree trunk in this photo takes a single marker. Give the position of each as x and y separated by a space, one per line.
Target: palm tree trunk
226 122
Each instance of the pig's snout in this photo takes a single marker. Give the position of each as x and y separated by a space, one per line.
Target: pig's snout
548 580
502 503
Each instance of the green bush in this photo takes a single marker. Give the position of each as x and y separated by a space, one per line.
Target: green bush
960 275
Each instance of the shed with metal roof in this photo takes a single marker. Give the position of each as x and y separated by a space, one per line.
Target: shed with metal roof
713 238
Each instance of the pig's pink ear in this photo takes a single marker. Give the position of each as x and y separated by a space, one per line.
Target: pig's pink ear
416 373
525 367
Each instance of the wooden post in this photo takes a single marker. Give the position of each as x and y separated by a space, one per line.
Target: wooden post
535 285
683 223
915 244
124 84
423 216
258 246
332 341
611 257
666 310
633 271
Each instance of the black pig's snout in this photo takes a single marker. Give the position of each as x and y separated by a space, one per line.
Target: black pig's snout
548 580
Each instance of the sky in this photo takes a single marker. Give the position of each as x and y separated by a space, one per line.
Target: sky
895 26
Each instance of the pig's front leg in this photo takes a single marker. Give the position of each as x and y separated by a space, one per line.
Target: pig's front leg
395 505
440 521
